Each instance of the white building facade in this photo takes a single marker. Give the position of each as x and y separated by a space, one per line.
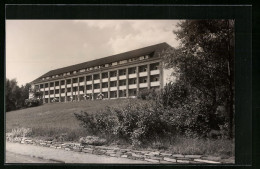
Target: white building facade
118 76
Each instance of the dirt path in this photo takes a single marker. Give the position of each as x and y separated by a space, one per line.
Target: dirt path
17 158
58 155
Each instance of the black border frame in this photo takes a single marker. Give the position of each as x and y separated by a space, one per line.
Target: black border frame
243 55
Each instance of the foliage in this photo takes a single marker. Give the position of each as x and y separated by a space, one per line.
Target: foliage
147 94
32 102
12 95
137 123
15 96
204 68
20 132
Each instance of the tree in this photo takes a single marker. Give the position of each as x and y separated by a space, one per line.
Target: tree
12 95
24 93
204 63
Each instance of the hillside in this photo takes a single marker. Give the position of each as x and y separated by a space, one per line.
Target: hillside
57 116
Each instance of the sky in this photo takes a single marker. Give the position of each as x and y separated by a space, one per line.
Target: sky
34 47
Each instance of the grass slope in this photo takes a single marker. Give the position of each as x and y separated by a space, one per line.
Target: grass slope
50 119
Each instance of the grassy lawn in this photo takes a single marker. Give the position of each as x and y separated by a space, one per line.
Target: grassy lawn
57 118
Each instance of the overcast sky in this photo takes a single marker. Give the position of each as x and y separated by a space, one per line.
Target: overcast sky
34 47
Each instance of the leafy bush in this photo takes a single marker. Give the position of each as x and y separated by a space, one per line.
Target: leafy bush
193 114
32 102
147 94
20 132
174 111
137 123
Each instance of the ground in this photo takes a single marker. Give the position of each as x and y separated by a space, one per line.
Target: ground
21 153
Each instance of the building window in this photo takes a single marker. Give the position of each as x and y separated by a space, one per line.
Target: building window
75 80
69 81
81 88
89 87
81 79
88 78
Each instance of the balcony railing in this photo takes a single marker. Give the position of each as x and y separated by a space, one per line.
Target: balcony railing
143 85
113 78
132 75
96 90
132 86
97 81
105 80
81 83
113 88
122 77
157 83
122 87
141 74
104 89
155 72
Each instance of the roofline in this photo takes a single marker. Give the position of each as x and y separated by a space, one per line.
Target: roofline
111 56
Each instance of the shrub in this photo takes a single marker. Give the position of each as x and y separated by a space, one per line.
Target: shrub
32 102
148 94
194 115
20 132
138 123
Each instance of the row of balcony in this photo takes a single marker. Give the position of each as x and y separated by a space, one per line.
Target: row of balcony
131 86
113 76
122 77
101 66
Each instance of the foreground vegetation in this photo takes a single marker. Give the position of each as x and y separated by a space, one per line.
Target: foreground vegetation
56 121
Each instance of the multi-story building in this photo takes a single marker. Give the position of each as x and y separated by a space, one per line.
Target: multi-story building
118 76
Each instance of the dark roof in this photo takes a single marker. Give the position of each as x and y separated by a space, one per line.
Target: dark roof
109 59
